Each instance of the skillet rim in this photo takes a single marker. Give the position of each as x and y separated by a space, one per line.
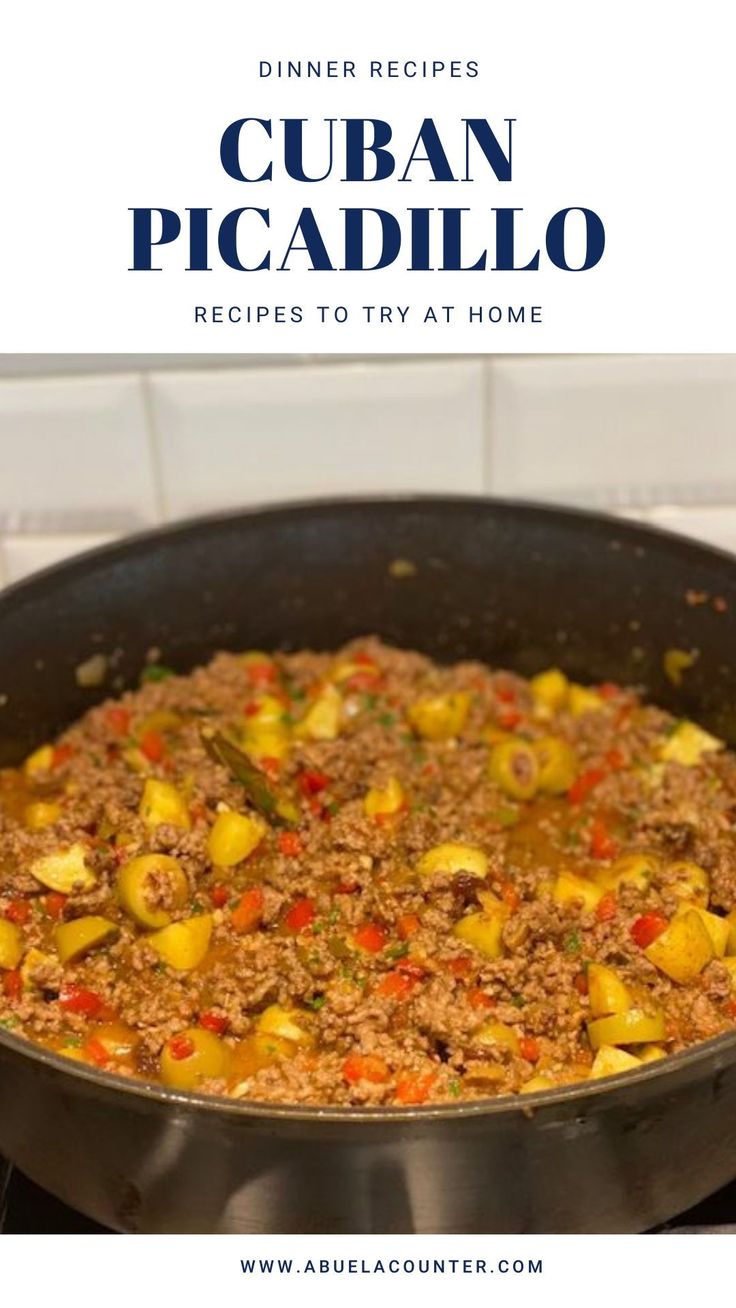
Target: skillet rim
192 1101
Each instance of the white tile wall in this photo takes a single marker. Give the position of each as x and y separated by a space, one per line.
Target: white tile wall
89 448
246 436
623 429
22 555
75 453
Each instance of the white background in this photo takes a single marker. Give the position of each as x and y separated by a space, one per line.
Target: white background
626 108
575 1269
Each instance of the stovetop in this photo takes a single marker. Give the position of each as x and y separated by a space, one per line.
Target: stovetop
25 1209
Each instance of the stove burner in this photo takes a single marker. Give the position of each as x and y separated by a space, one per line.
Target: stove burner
26 1209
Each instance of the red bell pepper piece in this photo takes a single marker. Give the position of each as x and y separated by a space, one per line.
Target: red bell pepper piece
414 1089
510 895
529 1049
582 786
263 673
214 1022
312 782
153 746
407 926
75 999
602 844
300 916
370 937
118 720
12 984
647 927
478 998
607 908
290 844
395 985
248 913
365 1067
181 1047
95 1050
18 911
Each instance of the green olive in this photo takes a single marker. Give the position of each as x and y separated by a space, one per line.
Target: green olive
514 767
193 1056
149 885
558 764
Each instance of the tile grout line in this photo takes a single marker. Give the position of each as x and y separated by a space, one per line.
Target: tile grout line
154 446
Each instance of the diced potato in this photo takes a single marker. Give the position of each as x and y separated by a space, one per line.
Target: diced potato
344 671
323 718
234 837
75 938
41 760
483 931
117 1038
515 767
11 945
491 904
138 882
536 1083
718 928
163 805
284 1023
440 717
382 801
688 743
498 1033
266 711
730 965
609 1061
452 857
651 1053
675 662
550 690
607 993
634 1027
36 968
65 870
584 700
558 764
183 945
266 742
731 942
40 814
193 1056
632 870
693 882
569 887
683 949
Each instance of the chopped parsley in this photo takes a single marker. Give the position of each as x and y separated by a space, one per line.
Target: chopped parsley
156 672
573 943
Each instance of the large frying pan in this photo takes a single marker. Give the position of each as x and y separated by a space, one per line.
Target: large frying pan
515 584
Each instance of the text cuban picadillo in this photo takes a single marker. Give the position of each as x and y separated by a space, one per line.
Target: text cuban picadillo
253 237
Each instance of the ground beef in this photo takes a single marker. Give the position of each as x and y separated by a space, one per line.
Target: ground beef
340 966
